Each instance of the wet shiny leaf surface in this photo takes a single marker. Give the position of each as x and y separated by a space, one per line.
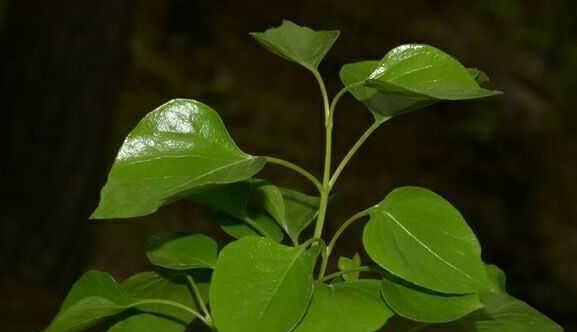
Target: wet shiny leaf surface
181 147
411 77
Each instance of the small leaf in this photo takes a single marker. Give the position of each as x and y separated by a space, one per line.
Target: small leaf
423 305
93 298
503 312
260 285
497 278
180 147
300 209
411 77
346 264
147 323
261 223
234 200
147 285
478 75
271 199
346 307
297 43
182 252
419 236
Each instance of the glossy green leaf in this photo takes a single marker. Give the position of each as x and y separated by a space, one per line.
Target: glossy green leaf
419 236
182 252
257 224
423 305
260 285
147 323
297 43
381 105
346 264
300 210
153 285
93 298
346 307
503 312
411 77
180 147
423 70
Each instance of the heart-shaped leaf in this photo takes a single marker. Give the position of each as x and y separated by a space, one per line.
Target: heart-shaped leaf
297 43
260 285
347 264
182 252
147 285
93 298
423 305
346 307
147 323
180 147
503 312
419 236
257 224
411 77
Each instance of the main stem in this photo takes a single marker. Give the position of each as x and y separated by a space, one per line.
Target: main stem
325 190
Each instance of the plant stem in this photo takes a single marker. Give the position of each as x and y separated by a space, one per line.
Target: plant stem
340 273
354 150
327 164
337 235
199 297
296 168
344 226
176 305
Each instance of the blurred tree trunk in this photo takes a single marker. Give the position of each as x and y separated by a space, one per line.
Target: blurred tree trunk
62 68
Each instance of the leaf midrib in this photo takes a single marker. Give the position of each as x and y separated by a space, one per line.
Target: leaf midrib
424 245
276 289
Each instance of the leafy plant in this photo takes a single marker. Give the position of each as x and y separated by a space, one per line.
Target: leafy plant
426 261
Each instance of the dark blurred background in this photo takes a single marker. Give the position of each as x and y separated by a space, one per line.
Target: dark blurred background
77 76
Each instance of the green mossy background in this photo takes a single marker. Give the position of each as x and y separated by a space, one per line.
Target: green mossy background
76 77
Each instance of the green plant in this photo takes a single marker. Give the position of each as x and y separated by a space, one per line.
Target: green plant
427 261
